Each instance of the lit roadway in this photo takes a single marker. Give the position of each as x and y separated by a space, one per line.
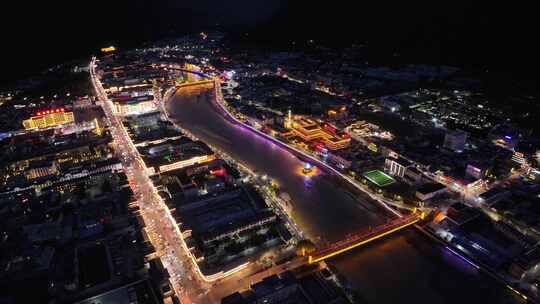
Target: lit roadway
162 229
185 276
187 280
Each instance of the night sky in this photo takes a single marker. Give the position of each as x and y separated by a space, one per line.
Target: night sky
502 38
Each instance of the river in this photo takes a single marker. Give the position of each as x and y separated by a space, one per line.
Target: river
403 268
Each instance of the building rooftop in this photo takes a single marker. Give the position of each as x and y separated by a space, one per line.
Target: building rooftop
170 151
491 193
402 161
218 212
139 292
289 289
430 188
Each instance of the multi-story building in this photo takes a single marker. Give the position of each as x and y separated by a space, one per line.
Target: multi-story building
48 118
134 105
519 158
44 169
175 154
309 130
316 287
476 170
396 166
413 176
430 190
494 195
400 167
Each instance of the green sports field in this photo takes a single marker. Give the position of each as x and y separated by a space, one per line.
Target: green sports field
379 178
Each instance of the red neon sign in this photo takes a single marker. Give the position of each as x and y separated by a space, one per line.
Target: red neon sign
50 111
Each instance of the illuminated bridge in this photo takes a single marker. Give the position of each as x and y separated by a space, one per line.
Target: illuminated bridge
188 68
209 82
205 79
364 237
191 71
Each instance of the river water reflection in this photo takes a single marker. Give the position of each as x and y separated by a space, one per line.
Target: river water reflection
404 268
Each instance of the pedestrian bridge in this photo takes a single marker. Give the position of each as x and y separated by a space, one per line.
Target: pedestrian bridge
364 237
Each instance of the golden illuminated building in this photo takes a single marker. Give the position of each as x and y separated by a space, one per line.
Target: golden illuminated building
307 129
42 171
48 118
310 130
185 163
108 49
134 106
335 142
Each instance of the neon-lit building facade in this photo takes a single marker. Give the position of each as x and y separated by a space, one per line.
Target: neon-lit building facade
48 118
182 163
139 105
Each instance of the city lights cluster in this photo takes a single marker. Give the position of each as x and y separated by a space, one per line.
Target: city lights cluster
45 112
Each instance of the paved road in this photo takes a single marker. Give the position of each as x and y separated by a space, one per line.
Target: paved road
185 276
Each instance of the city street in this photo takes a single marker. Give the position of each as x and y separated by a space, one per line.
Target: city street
269 153
162 229
186 277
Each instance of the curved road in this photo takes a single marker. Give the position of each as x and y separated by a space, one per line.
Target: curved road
405 267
